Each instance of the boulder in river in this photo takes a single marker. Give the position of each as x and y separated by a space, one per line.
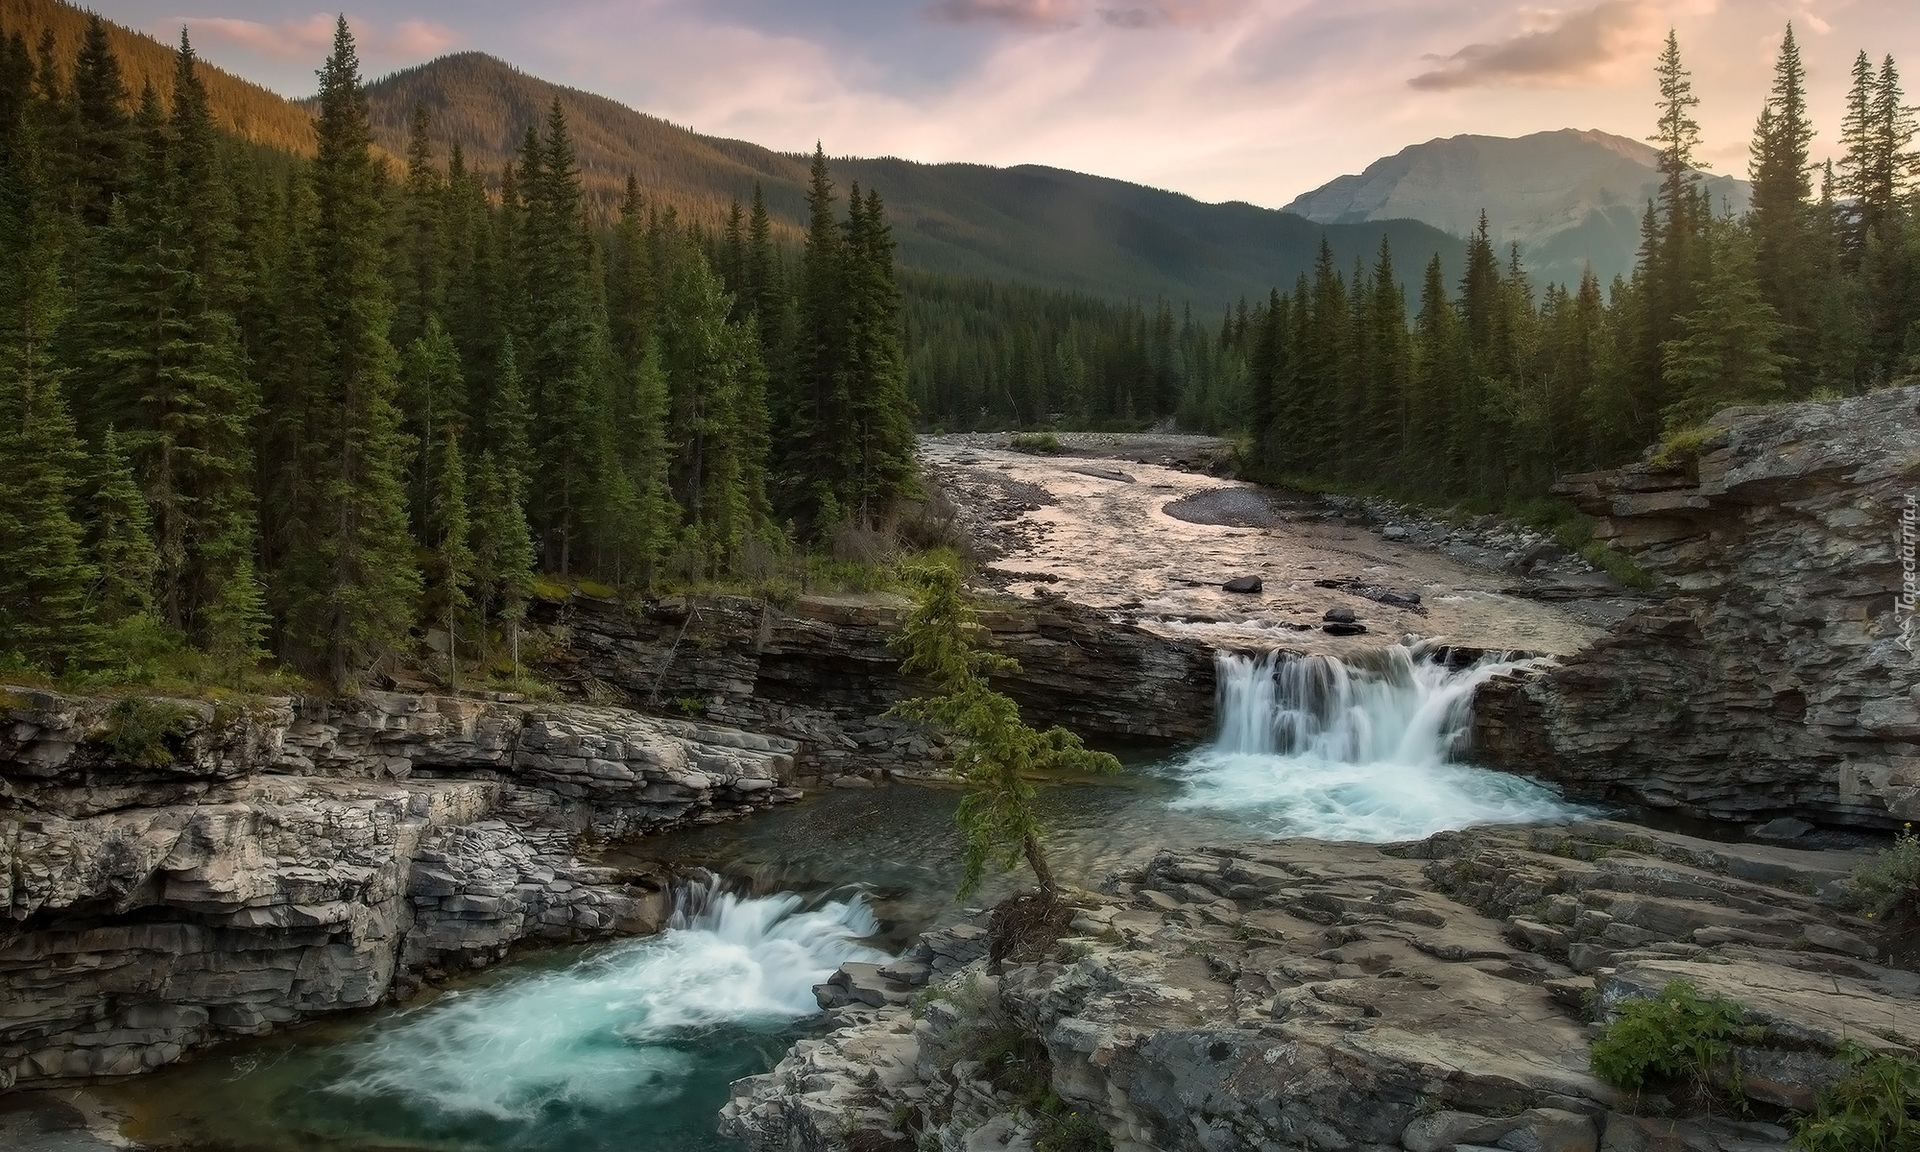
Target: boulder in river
1243 584
1343 628
1339 616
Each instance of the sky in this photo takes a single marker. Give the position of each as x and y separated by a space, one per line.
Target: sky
1255 100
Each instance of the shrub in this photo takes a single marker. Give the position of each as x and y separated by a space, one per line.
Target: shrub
1680 1036
147 732
1038 443
1064 1129
1887 885
1874 1108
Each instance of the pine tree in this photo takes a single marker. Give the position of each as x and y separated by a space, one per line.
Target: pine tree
353 584
119 539
1437 362
879 413
433 399
102 126
998 752
812 403
451 576
1784 259
502 550
44 583
1726 353
421 255
564 355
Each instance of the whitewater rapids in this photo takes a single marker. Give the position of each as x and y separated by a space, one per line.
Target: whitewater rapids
1368 751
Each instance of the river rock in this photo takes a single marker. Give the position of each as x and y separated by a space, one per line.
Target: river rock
1773 678
1339 616
280 859
1243 584
1344 996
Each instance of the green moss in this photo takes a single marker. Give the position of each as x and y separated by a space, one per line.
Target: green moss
1618 565
1681 447
551 590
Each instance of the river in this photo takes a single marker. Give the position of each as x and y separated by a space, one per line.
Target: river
631 1045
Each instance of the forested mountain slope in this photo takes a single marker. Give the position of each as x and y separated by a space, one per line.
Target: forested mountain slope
1061 229
238 106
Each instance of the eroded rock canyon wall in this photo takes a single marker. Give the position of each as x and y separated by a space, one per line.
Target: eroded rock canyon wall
1773 679
260 863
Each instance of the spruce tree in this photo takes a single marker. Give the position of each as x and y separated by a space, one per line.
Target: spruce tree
119 540
421 254
811 404
353 584
1727 350
101 122
879 414
46 579
1784 259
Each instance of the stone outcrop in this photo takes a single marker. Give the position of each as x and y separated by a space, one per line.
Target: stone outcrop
1776 677
823 670
182 872
1348 998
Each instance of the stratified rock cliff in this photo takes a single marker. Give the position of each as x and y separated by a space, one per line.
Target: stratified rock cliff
1774 679
181 872
822 672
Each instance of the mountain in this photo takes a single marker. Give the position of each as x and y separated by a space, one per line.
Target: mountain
1567 197
1061 229
1058 229
239 106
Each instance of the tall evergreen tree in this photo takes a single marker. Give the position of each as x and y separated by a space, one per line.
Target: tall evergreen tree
1784 256
353 586
1726 352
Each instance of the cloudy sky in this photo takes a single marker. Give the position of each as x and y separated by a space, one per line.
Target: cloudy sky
1254 100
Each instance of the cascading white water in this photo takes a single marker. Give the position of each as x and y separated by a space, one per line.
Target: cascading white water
615 1029
1316 746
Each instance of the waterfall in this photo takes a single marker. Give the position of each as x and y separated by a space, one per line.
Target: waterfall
622 1026
1400 706
1355 750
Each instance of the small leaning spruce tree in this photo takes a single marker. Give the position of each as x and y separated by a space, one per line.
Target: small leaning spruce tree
998 753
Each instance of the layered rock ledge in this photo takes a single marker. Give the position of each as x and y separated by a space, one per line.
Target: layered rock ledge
823 671
1351 998
244 866
1775 679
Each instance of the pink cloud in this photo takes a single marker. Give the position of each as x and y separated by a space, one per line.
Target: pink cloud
1160 13
300 39
1048 15
1019 13
309 38
1569 48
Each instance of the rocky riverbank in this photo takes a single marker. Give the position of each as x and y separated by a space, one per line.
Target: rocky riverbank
1774 679
182 872
822 672
1340 997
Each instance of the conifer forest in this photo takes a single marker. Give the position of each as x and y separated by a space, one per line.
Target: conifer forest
278 411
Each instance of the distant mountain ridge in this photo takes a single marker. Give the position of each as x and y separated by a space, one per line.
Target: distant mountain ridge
1568 197
1044 225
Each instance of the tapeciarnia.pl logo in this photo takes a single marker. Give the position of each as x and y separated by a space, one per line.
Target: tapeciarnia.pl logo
1909 579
